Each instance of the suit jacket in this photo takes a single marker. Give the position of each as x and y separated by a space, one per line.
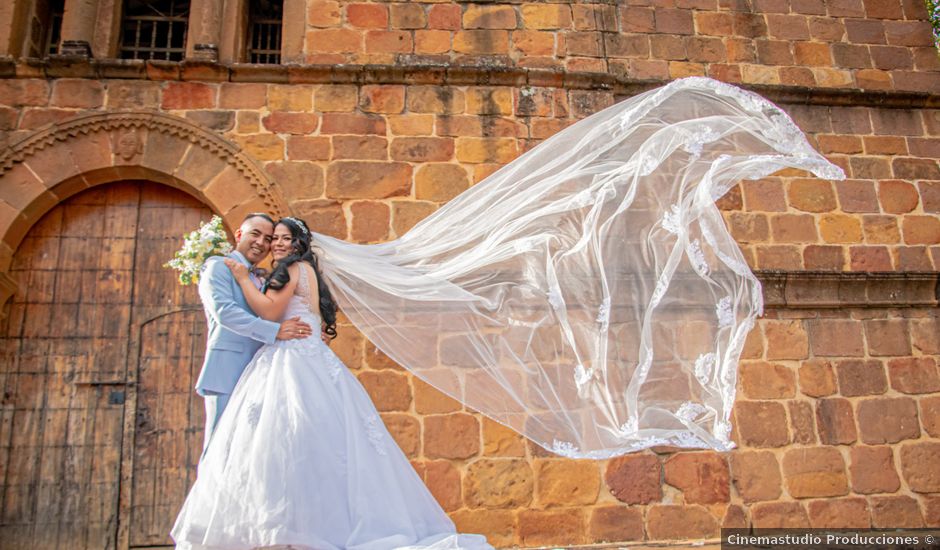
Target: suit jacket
235 333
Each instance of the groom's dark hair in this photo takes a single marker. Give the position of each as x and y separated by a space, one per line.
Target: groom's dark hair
261 215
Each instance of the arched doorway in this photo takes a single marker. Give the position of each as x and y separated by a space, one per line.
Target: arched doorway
99 428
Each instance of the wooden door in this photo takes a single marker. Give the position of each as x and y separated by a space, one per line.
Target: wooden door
79 341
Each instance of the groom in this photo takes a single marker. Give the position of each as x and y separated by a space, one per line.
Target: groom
235 332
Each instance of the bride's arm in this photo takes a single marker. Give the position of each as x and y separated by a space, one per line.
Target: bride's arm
272 304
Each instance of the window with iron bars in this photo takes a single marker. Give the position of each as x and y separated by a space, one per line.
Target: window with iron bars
154 29
264 31
54 34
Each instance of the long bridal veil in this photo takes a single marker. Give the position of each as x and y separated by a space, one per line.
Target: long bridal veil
588 294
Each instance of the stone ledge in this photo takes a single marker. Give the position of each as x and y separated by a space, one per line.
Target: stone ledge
822 290
421 72
802 290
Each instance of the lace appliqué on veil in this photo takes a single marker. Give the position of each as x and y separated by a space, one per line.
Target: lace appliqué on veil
630 427
697 257
723 430
582 376
704 366
698 138
671 221
554 298
603 312
648 163
564 448
689 411
739 267
785 136
723 310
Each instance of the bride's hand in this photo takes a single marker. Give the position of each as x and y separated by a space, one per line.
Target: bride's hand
238 269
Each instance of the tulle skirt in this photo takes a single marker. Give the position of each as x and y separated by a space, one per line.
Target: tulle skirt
301 457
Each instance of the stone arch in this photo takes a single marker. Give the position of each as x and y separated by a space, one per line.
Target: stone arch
54 163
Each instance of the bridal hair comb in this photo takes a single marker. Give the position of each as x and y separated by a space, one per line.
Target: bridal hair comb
300 223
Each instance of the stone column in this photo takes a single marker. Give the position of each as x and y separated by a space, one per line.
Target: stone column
11 16
18 38
234 17
205 30
78 27
108 28
293 29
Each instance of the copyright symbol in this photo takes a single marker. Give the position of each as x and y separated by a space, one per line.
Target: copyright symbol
928 539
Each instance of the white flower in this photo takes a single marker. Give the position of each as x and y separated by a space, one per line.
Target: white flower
209 240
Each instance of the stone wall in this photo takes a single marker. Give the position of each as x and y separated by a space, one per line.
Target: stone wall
366 162
838 411
838 43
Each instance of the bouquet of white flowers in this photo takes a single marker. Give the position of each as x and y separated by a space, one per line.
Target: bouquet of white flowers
209 240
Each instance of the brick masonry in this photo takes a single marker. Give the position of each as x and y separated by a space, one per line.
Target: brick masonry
870 44
838 411
372 160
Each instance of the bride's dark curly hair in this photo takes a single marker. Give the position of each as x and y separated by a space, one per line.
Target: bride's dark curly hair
301 251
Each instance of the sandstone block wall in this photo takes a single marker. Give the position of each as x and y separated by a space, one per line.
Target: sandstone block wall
838 411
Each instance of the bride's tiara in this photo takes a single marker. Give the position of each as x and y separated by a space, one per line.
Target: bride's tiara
300 223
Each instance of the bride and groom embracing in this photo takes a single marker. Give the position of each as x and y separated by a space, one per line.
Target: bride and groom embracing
300 456
557 290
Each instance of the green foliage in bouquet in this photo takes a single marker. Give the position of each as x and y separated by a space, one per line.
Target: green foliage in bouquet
933 12
209 240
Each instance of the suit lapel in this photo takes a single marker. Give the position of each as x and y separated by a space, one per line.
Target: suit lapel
236 288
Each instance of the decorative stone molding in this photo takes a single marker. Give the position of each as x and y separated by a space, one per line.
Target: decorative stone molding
59 160
128 145
421 71
825 290
206 52
76 48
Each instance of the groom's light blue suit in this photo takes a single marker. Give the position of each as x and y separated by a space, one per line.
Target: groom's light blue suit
235 334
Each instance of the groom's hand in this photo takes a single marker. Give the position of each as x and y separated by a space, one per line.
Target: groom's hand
293 328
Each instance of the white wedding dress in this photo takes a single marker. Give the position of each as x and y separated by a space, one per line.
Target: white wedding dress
301 458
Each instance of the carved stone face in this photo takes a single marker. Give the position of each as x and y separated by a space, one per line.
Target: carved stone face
129 145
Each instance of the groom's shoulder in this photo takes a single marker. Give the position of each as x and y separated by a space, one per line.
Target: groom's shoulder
213 262
214 259
213 267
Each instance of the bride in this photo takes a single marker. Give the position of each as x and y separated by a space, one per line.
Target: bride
301 456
